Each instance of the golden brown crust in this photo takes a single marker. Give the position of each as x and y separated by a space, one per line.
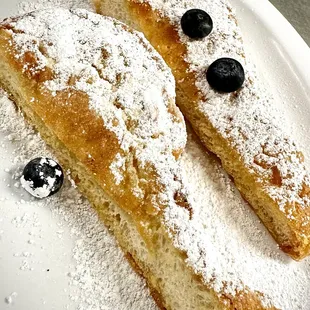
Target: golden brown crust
289 227
82 130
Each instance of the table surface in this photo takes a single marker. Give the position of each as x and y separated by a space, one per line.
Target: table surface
297 12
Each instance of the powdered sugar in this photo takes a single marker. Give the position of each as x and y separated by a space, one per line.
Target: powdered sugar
249 119
40 192
133 95
29 6
118 168
10 299
100 277
230 244
222 223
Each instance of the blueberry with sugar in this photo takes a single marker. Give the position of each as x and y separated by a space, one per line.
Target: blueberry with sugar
196 24
225 75
42 177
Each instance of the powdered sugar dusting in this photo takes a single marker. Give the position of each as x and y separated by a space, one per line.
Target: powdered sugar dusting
40 192
127 84
118 167
100 277
10 299
223 224
248 119
29 6
227 244
133 94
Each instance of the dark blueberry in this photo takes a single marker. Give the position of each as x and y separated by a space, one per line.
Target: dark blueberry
196 23
225 75
42 177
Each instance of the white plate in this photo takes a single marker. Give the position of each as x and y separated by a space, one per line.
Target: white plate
37 242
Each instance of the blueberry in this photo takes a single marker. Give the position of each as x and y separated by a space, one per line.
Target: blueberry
196 23
42 177
225 75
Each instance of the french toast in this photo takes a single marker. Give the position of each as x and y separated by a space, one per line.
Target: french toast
238 126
